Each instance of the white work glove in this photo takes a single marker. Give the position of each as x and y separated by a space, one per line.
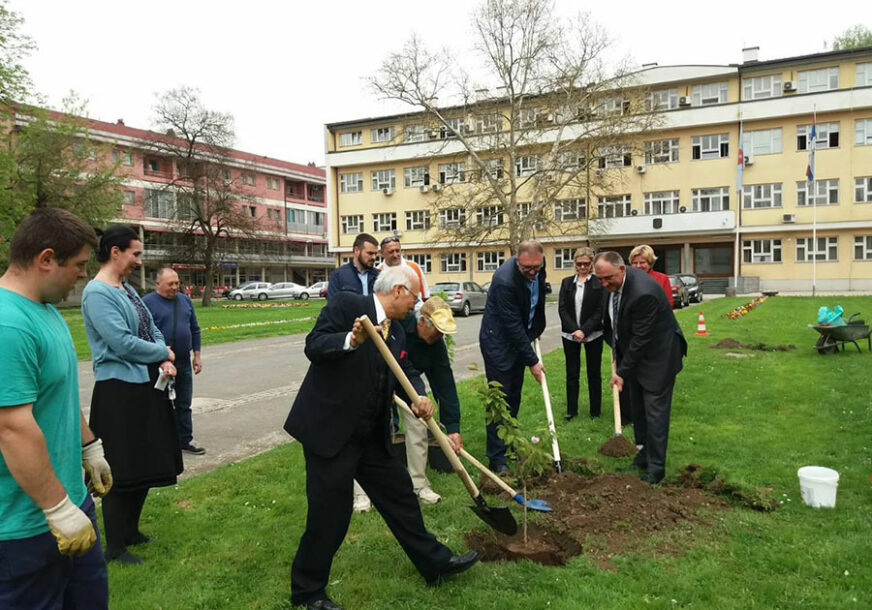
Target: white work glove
98 475
71 527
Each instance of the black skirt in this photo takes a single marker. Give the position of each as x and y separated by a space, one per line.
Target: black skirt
138 428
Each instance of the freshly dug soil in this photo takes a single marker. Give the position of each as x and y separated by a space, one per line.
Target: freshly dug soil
599 516
730 343
618 446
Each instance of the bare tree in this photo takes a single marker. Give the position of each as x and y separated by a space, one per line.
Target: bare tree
209 200
524 160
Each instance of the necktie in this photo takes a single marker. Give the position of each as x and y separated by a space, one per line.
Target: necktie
385 328
616 305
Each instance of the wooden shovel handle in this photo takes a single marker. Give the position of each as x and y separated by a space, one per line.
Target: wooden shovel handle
443 441
616 403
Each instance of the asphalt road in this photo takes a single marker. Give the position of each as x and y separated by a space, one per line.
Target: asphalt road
243 395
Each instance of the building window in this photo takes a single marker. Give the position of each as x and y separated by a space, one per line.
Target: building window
756 196
248 178
614 106
159 204
489 123
864 75
452 173
570 209
824 79
661 202
490 260
527 166
863 247
761 251
824 192
316 220
382 134
761 142
490 216
863 132
614 156
416 176
152 165
352 224
315 192
527 117
661 151
452 128
711 200
710 147
415 133
454 262
863 190
664 99
272 183
827 136
761 87
252 211
351 138
385 221
417 220
129 197
274 214
125 156
451 218
613 207
563 258
351 183
422 260
827 249
384 179
712 93
493 168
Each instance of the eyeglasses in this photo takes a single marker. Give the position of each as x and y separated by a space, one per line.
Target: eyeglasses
387 240
582 264
530 268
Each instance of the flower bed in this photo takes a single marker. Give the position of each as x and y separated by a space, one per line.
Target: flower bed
743 310
262 305
264 323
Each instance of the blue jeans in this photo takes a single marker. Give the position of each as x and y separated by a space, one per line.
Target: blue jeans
33 574
184 395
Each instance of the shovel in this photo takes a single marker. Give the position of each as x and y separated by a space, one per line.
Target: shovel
531 503
499 518
554 447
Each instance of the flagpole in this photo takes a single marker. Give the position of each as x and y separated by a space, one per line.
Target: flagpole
740 200
811 189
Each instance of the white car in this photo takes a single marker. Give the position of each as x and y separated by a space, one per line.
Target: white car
312 291
250 290
281 290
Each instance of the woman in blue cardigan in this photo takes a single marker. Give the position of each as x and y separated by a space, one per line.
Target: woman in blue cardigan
134 419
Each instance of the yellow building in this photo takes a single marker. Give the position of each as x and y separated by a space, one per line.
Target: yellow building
681 189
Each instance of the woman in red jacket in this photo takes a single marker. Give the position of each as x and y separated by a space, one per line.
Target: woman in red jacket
642 257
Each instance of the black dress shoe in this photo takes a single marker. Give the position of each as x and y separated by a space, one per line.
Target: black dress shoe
323 604
652 478
455 565
569 416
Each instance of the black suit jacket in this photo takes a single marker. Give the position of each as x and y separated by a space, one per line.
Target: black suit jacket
650 343
591 306
504 337
328 406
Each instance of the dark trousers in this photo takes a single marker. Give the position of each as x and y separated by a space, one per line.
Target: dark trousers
651 425
121 513
512 381
184 396
593 356
329 494
33 574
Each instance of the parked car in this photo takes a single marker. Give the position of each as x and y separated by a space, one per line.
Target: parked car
312 291
463 297
485 286
694 288
249 291
281 290
680 297
323 292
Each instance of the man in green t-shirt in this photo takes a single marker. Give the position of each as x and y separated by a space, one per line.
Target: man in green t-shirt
49 553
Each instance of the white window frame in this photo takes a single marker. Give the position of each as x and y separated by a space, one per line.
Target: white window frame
452 173
417 176
614 106
489 123
458 125
494 168
827 249
424 261
570 209
452 217
490 216
715 199
352 223
821 79
417 220
452 262
527 165
826 192
864 75
381 134
528 117
755 251
709 94
384 222
827 136
617 206
863 247
712 146
384 179
415 133
761 87
125 156
762 142
863 132
760 196
350 138
662 99
863 189
661 151
658 203
614 156
563 258
351 183
489 260
129 198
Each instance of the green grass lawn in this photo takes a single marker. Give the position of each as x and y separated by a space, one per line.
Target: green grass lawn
223 321
226 539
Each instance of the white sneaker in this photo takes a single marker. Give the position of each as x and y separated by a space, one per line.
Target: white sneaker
362 504
428 496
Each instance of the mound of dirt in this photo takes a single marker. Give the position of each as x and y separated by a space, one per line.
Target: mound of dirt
708 478
618 446
730 343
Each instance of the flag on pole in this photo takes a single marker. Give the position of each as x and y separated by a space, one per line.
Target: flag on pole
812 139
741 165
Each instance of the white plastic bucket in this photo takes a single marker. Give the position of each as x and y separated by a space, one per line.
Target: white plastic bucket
818 486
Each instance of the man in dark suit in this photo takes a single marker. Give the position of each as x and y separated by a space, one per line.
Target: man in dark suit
513 317
357 275
341 416
648 345
580 307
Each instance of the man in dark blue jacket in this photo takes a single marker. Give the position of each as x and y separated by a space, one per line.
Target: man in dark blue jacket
357 275
513 317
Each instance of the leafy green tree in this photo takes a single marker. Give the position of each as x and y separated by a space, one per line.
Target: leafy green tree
853 38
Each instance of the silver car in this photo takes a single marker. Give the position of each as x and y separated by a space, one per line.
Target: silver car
250 290
463 297
281 290
312 291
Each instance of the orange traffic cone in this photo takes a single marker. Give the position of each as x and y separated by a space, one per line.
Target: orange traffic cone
700 326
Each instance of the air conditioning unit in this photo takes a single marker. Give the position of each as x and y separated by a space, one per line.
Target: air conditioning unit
749 160
600 172
388 192
788 86
788 218
424 188
433 134
548 118
682 209
634 212
640 169
437 187
468 128
684 100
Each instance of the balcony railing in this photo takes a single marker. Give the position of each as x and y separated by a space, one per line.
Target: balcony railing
686 223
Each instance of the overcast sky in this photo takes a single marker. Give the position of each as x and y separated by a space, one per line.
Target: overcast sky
283 69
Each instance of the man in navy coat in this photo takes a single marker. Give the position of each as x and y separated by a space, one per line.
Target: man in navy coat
357 275
513 317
